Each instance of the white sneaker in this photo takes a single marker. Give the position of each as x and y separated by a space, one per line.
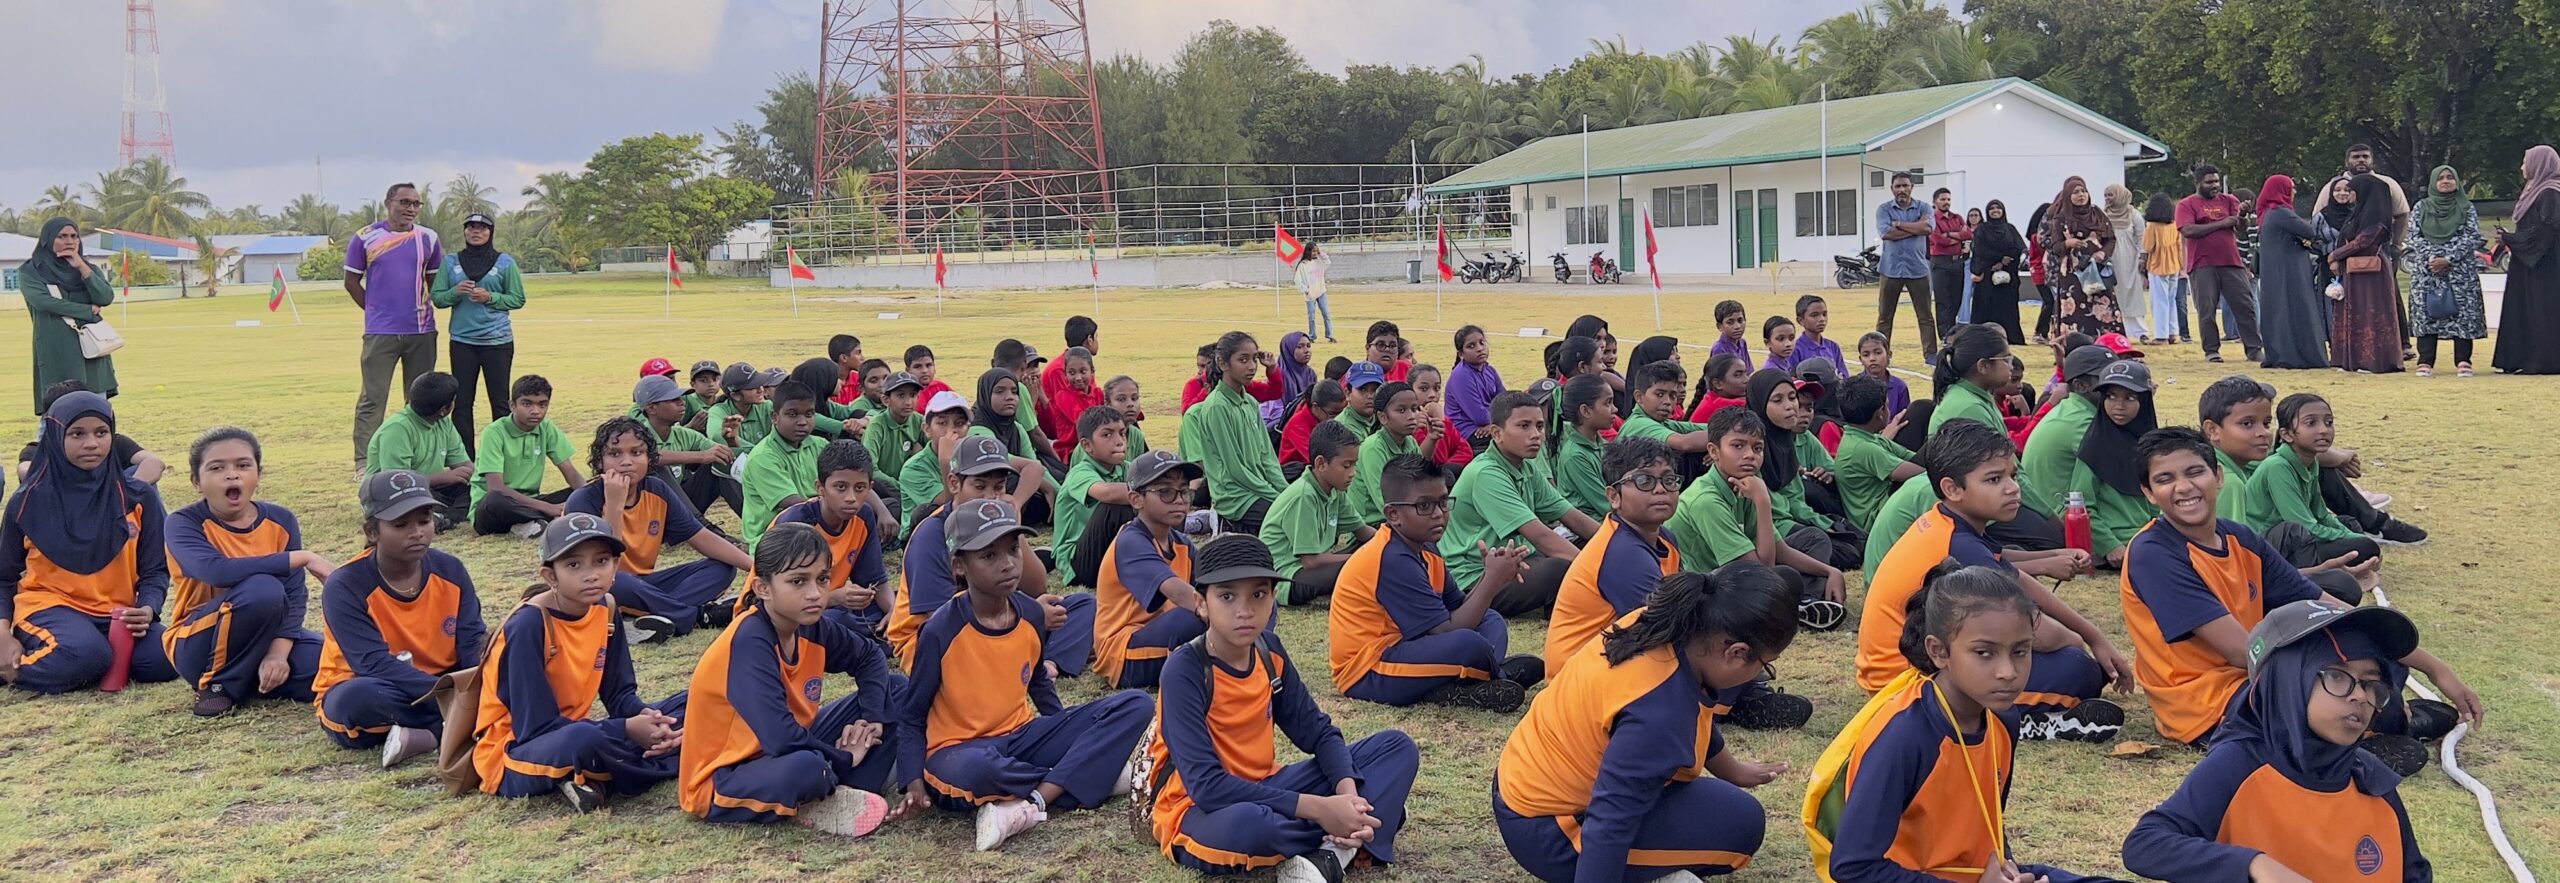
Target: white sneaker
1130 772
999 821
529 529
403 743
849 812
1679 877
2380 502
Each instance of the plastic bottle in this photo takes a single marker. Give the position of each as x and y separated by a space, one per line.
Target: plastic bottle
2075 525
120 649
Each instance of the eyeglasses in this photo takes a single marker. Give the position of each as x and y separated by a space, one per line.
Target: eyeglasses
1648 482
407 203
1425 508
2343 684
1173 494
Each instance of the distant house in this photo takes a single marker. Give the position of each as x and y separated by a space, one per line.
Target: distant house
16 249
179 255
260 259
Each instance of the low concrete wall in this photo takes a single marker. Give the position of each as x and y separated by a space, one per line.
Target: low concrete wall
1171 271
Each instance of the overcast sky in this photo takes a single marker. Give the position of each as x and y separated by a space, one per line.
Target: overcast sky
273 99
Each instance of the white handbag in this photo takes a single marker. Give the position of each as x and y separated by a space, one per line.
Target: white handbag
97 339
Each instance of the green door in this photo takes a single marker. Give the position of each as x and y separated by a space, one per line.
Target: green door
1627 235
1746 238
1768 226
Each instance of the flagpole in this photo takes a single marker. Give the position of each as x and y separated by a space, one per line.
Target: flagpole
1586 174
666 287
289 304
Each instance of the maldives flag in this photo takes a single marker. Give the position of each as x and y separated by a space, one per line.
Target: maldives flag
1446 272
673 278
941 270
1651 249
125 272
1286 246
798 270
275 293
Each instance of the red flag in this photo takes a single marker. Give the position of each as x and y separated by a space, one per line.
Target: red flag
1285 245
275 294
798 270
125 272
672 277
1650 249
941 269
1446 272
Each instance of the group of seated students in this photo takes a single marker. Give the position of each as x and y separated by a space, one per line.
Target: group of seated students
1674 560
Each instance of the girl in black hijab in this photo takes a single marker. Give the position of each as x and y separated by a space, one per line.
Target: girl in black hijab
1998 252
81 545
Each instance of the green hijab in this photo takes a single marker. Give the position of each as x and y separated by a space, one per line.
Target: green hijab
2441 215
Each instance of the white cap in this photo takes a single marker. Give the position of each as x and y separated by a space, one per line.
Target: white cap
946 400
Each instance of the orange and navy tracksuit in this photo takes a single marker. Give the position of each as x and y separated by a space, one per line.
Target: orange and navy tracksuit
60 616
1390 596
546 672
925 585
1924 801
657 517
2172 587
233 595
1601 587
2234 806
2059 680
758 744
1226 804
384 652
982 721
1137 626
1605 778
853 557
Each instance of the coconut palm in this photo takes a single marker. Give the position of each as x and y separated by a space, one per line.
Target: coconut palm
1958 52
309 215
62 201
1475 124
462 197
1549 111
211 262
1848 49
1632 98
146 198
1752 74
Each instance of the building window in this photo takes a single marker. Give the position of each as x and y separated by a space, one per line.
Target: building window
1876 179
1692 205
1918 177
9 278
1840 218
1551 203
1586 225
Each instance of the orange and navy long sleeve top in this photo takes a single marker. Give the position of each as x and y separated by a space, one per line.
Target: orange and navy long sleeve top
2171 587
1217 728
1935 537
548 670
749 699
924 582
1129 592
137 577
1600 588
853 548
1924 800
656 518
370 625
2234 807
968 682
207 556
1389 592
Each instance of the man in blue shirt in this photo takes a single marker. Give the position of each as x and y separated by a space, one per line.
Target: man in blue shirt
1904 226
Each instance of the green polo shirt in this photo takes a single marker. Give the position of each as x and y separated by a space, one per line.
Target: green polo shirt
2285 488
1019 444
1714 520
1788 507
1638 425
831 418
519 457
891 442
753 429
680 439
776 470
1494 497
1226 436
2114 516
1366 505
1575 469
1863 470
408 441
1967 401
1137 446
1306 520
692 406
919 481
1905 506
2233 503
2053 449
1365 426
1075 508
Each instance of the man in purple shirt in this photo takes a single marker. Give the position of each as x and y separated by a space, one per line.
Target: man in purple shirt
388 263
2208 220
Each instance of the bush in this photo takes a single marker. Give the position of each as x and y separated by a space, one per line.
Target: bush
324 261
146 271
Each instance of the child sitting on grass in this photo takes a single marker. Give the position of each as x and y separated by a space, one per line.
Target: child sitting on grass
1310 526
1095 477
1722 385
781 470
421 438
846 516
399 615
506 496
1400 413
81 553
1399 633
647 516
1875 359
1869 464
2238 416
236 567
1813 318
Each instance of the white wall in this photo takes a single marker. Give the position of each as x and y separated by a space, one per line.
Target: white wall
2017 151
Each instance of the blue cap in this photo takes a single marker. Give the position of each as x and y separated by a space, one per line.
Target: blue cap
1364 374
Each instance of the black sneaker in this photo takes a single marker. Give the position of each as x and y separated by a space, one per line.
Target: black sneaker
1821 614
717 614
2396 532
2215 358
2093 720
213 703
1523 669
444 522
1770 710
2402 754
648 628
2429 720
1493 695
579 797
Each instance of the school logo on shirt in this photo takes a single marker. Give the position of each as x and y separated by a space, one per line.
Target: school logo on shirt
2368 856
1026 673
450 624
599 659
653 527
809 690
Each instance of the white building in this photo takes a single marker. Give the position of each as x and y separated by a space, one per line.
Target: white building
15 249
1736 192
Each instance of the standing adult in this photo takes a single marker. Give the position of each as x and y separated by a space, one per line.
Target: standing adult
1311 268
1903 223
1999 259
388 263
2443 249
482 285
2036 271
2359 161
2293 317
2529 322
2364 332
2125 221
63 294
1948 237
2077 237
2209 219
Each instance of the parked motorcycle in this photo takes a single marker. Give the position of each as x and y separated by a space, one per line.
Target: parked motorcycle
1472 270
1857 272
1604 269
1564 268
1506 268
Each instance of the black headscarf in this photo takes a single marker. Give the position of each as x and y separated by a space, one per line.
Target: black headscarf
1996 238
1657 348
2268 717
75 516
983 413
821 376
1778 462
2107 449
2373 206
50 268
2337 213
478 259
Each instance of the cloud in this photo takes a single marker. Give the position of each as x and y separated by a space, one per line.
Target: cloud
669 36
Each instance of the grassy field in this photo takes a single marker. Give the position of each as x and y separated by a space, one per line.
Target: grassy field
130 786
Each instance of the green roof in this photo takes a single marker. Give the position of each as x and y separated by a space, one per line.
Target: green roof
1753 137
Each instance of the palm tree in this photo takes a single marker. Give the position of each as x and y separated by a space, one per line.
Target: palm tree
547 200
1958 52
1848 50
210 264
308 214
1549 111
1751 74
463 196
146 198
1628 99
1475 124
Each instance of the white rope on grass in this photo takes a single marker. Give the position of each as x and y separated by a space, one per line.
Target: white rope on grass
2479 792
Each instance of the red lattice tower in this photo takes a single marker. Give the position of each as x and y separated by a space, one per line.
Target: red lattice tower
146 102
989 105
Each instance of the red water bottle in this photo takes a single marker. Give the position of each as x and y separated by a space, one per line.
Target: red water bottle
2075 527
120 648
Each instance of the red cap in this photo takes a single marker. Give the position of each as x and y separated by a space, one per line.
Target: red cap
2117 343
657 367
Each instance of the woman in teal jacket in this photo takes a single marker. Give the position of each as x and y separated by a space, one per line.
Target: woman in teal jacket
482 285
63 292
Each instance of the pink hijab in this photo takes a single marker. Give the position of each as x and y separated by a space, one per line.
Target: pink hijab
2277 191
2541 175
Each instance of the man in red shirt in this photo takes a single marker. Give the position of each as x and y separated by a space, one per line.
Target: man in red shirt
1947 237
2209 220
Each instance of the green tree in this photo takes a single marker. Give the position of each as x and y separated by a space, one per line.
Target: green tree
458 199
1475 123
658 188
211 264
146 198
308 214
326 261
2080 48
62 201
1134 94
146 269
1957 52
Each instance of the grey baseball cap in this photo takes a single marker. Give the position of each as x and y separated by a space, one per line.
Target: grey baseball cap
706 366
772 377
2390 631
1818 369
1155 464
978 524
2085 361
656 388
566 532
980 455
392 493
738 376
900 380
2126 374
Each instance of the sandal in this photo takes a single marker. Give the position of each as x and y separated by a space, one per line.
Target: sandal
2462 369
2426 370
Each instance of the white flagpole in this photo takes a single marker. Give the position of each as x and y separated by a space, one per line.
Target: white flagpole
1822 156
666 287
1586 173
1416 199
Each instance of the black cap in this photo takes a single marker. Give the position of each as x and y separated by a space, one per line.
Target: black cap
2390 631
772 377
655 388
980 455
978 524
1818 369
1545 389
1156 464
566 532
2085 361
392 493
900 380
480 219
2126 374
1232 557
738 376
706 366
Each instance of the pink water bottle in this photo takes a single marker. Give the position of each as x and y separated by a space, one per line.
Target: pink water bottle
2075 526
120 647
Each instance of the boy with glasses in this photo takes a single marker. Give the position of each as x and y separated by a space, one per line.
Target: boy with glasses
1398 634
